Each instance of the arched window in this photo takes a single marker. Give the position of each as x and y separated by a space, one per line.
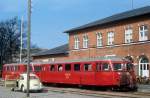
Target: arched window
143 33
144 60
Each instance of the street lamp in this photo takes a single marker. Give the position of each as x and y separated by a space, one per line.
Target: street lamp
28 46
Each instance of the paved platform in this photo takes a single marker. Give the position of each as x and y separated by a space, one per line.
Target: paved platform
143 88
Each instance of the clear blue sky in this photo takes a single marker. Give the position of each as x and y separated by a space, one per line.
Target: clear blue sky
51 17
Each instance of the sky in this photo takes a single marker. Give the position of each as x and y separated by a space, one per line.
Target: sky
50 18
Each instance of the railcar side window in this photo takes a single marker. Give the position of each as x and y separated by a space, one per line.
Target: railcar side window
67 67
4 68
87 67
16 68
105 66
117 66
7 68
98 66
60 68
76 67
12 68
37 68
52 67
30 68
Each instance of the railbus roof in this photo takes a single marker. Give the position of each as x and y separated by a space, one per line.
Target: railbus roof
75 61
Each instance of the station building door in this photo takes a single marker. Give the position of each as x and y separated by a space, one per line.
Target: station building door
144 67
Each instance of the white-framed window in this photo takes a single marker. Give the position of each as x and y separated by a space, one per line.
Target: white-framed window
128 35
85 41
76 42
99 39
110 38
143 33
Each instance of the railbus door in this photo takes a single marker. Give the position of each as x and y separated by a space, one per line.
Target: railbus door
104 74
87 74
37 69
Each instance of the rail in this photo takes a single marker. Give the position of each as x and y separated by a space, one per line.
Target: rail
106 94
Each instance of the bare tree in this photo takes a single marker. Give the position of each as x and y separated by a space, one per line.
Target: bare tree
9 40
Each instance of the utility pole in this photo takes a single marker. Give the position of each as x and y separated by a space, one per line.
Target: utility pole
28 46
21 31
132 4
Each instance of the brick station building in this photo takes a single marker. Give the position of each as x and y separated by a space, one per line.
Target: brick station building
124 35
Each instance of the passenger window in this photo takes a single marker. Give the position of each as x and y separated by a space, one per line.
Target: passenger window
87 67
117 66
15 68
60 68
67 67
52 67
12 68
7 68
4 68
76 67
98 67
37 68
30 68
105 66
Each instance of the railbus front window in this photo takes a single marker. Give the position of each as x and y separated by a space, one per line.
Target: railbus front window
117 66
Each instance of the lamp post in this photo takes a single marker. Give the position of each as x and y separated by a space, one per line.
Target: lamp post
28 46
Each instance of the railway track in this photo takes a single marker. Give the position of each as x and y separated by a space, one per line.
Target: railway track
105 94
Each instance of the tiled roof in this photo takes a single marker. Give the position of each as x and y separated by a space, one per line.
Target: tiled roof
63 49
114 18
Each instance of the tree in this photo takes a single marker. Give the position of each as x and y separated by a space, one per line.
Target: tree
9 40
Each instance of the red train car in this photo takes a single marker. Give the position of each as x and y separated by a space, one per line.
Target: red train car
109 73
12 71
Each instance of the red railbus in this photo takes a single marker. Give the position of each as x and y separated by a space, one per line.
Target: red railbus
107 73
110 73
13 71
